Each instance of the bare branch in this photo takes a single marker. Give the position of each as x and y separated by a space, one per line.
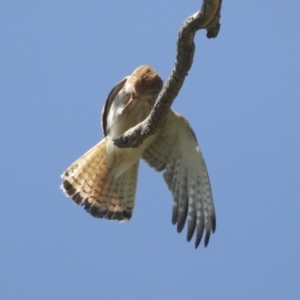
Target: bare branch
208 17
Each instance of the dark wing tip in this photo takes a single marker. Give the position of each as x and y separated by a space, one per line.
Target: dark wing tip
182 215
214 223
200 230
180 225
174 216
206 239
198 240
191 229
190 234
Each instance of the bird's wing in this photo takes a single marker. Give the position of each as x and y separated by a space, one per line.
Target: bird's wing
110 98
177 153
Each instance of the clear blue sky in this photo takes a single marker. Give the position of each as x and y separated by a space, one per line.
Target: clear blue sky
59 60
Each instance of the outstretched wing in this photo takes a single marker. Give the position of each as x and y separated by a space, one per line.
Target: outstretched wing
177 153
108 103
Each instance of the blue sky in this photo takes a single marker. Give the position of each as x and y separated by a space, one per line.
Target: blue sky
59 60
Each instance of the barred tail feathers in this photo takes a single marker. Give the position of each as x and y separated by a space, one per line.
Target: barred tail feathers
92 183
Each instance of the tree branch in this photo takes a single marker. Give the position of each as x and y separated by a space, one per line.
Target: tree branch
208 17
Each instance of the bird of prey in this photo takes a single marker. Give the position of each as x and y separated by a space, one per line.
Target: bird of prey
104 179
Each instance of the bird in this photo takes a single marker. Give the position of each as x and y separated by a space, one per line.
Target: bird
104 179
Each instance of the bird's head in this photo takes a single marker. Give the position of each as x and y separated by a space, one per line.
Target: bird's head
145 83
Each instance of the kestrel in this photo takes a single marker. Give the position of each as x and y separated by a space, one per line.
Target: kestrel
104 179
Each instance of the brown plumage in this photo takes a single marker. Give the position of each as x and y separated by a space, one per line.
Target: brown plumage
104 179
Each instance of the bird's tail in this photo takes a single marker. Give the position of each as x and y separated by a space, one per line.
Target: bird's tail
91 182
